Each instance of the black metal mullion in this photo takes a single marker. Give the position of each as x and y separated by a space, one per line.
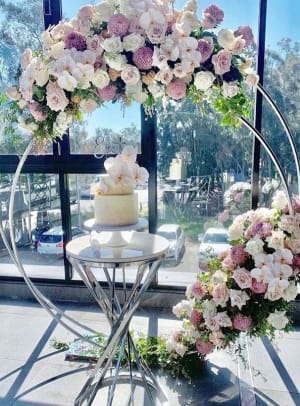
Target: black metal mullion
258 102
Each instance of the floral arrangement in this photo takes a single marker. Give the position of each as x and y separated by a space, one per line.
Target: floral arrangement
125 50
249 289
123 174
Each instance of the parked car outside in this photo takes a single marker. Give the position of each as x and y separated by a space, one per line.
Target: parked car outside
214 242
51 241
175 235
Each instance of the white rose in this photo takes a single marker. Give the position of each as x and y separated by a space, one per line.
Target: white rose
101 79
130 75
276 240
254 246
278 319
230 89
88 105
276 288
13 93
117 62
226 39
290 292
235 231
132 42
204 80
102 12
113 45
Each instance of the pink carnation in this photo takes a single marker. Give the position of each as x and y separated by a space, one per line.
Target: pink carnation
238 254
143 58
258 287
205 48
176 89
75 40
246 33
37 111
196 317
118 25
212 16
204 347
198 290
107 93
241 322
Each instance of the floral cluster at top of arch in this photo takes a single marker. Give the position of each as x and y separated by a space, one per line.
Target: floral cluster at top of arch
131 50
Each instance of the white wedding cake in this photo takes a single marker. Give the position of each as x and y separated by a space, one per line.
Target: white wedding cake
116 203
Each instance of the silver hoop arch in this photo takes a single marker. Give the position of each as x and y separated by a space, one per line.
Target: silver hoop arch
67 321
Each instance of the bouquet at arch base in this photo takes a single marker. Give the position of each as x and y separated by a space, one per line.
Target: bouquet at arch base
250 289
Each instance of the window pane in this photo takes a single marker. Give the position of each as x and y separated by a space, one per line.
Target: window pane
37 226
21 25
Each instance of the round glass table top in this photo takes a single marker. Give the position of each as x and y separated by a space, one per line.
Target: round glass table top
117 247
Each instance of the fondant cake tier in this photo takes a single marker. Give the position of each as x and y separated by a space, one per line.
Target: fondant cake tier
116 210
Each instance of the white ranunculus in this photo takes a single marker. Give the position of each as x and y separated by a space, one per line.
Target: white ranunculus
204 80
130 75
67 81
113 45
101 78
133 41
226 39
278 319
254 246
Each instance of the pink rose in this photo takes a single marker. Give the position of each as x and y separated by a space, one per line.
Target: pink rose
204 347
37 112
222 62
241 322
107 93
198 290
56 97
246 33
205 48
196 317
228 263
238 254
243 278
258 287
176 89
212 16
85 12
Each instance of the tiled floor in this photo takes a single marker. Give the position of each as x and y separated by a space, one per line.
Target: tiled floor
33 373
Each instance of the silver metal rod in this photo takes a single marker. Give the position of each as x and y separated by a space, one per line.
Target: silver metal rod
274 159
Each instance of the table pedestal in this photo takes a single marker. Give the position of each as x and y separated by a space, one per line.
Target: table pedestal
120 348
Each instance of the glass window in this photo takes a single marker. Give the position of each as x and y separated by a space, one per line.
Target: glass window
37 226
21 24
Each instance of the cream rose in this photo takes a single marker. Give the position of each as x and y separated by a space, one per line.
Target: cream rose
101 79
130 75
113 45
290 292
204 80
254 246
88 105
133 41
226 39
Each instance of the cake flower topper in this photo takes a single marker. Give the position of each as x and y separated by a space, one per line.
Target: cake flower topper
123 173
128 50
